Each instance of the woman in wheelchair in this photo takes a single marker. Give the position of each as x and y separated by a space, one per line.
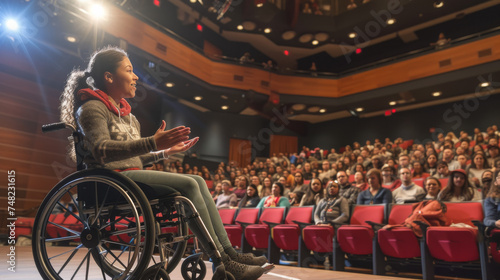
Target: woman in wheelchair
94 101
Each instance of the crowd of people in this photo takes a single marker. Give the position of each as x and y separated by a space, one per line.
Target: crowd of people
450 169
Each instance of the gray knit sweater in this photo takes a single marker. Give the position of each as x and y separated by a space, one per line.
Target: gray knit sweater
111 141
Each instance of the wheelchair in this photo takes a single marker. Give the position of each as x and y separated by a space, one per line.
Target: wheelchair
99 224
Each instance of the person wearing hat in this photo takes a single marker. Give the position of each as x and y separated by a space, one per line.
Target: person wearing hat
459 189
251 198
389 180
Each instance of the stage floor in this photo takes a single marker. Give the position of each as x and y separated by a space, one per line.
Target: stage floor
25 269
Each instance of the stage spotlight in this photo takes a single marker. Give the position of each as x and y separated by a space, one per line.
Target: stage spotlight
12 24
98 11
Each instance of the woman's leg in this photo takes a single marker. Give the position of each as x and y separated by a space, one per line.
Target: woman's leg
189 188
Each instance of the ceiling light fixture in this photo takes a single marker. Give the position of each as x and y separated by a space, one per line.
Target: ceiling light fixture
169 84
359 109
391 21
315 42
239 27
260 5
485 84
267 30
224 107
436 93
353 35
198 98
322 110
71 39
392 103
438 4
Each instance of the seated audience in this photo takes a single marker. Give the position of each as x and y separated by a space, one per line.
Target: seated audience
276 198
433 187
217 191
389 180
360 181
251 198
487 180
241 189
313 194
346 189
327 172
227 198
430 165
442 171
332 208
478 165
296 197
492 204
375 194
408 191
459 189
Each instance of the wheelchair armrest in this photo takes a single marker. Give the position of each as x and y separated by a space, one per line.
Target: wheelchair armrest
302 225
375 226
270 224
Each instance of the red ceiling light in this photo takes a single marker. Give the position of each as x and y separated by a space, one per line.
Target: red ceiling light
199 27
157 3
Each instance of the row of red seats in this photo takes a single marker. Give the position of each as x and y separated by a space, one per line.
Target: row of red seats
272 229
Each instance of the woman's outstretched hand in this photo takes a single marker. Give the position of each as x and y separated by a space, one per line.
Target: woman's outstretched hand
169 138
183 146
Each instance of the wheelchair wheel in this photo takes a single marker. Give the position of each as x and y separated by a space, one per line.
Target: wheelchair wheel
155 272
92 223
193 268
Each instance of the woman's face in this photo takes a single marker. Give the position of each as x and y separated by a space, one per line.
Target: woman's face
250 191
315 185
458 179
122 83
417 166
267 182
333 189
431 160
432 187
479 160
497 180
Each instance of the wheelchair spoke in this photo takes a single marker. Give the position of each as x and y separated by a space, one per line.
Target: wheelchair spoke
112 223
64 253
119 243
65 228
102 205
62 238
88 266
101 265
114 256
81 263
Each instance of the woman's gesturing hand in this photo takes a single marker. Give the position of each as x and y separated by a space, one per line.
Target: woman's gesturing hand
183 146
168 138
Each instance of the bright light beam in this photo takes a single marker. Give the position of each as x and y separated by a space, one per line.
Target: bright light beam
97 11
12 24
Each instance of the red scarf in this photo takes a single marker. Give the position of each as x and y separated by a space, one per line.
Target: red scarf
88 93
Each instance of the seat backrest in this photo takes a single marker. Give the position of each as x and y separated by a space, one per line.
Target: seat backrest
463 212
418 181
227 215
301 214
272 215
399 213
248 215
444 182
363 213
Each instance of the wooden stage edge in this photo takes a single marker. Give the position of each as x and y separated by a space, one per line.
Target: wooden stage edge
26 269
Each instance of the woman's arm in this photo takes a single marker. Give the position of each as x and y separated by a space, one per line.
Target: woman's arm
491 214
343 210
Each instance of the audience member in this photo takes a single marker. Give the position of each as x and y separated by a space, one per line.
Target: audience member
313 194
487 180
459 189
241 189
441 42
389 179
492 204
360 181
433 187
327 173
476 169
346 189
251 198
227 198
409 191
276 198
332 208
246 58
375 194
217 191
443 171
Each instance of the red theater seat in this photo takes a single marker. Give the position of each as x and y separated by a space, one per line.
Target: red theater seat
287 235
455 244
245 216
258 235
357 237
227 215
